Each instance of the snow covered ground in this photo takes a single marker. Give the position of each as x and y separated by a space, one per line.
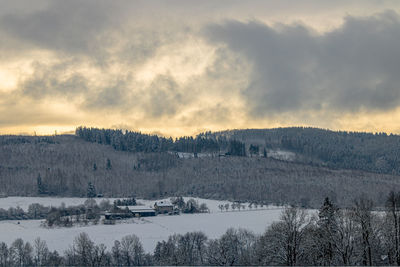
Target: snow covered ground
149 230
24 202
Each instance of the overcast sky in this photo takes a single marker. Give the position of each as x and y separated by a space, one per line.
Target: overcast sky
181 67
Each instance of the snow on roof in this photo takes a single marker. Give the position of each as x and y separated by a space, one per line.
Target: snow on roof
163 203
137 208
143 211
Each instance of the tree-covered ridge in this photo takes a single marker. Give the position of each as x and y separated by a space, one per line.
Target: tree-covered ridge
370 152
139 142
377 152
66 167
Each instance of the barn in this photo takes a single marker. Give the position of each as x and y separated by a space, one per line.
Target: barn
163 207
129 212
140 211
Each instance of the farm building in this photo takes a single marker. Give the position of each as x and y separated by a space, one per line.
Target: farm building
130 211
116 215
163 207
139 211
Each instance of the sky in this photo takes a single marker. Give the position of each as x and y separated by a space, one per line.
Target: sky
180 67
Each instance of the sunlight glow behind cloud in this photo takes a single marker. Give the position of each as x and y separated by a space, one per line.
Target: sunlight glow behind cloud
194 67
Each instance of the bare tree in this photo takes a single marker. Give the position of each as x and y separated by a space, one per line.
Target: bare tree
4 255
345 240
132 251
41 252
362 212
21 253
285 237
117 253
393 215
84 247
235 247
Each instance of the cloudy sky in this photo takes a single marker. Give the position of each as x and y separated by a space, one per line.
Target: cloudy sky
180 67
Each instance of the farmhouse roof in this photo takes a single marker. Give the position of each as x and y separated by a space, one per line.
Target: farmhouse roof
137 208
163 203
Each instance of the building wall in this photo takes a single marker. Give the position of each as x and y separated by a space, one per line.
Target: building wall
164 209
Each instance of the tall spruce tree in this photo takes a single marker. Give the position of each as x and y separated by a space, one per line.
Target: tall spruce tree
328 226
393 210
109 166
91 190
40 186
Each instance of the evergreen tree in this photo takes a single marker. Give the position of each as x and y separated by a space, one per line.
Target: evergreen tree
108 167
91 190
40 186
254 149
328 229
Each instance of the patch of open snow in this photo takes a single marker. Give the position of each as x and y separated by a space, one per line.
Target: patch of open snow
150 230
24 202
281 155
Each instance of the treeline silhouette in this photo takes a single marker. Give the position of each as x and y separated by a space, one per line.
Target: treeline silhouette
66 165
330 237
139 142
377 152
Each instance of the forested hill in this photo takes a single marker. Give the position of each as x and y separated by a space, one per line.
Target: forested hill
379 153
65 165
336 149
229 165
139 142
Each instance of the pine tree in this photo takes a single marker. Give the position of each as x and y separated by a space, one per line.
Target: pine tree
40 186
328 229
108 164
91 190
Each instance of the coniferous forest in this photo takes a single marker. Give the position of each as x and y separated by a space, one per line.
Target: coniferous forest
232 165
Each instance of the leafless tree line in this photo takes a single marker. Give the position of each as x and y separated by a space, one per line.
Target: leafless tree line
332 236
68 164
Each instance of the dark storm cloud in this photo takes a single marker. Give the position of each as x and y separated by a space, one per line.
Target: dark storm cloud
51 81
354 67
69 26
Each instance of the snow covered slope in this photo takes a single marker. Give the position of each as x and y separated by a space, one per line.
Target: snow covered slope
150 229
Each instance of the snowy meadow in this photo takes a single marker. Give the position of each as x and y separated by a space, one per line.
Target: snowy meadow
150 230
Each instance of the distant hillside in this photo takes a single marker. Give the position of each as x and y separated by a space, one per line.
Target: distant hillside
64 165
378 153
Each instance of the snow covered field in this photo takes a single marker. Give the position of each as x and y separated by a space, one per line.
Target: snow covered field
149 230
24 202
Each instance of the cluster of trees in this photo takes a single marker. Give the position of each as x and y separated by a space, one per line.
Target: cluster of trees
330 237
377 152
190 206
239 206
22 253
35 211
125 202
349 150
67 166
13 140
87 213
139 142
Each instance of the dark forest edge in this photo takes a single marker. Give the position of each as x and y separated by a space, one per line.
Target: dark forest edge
332 236
377 152
64 165
138 142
